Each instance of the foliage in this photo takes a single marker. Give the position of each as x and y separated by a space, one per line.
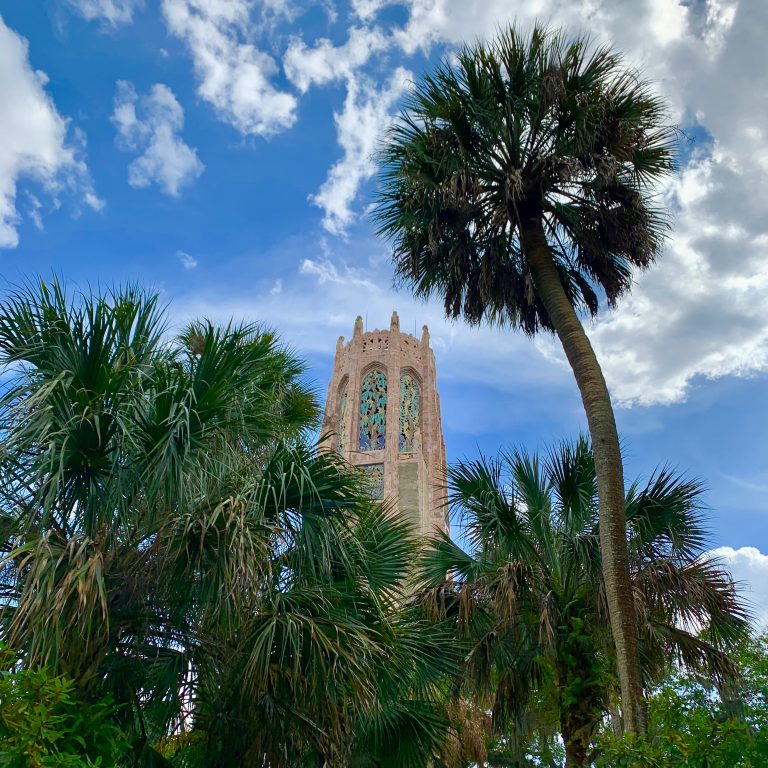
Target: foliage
44 725
172 540
530 600
692 724
524 126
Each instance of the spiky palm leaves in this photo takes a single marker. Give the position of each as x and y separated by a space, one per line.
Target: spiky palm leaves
531 598
524 127
517 186
171 540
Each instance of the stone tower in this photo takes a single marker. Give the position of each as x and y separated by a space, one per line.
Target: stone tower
383 415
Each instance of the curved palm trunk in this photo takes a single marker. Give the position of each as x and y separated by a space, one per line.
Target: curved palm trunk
608 466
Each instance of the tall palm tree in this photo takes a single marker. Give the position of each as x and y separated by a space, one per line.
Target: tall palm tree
531 597
516 186
170 538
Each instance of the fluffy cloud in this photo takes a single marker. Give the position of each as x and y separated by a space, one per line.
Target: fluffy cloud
324 62
234 75
365 115
749 567
153 132
112 12
35 141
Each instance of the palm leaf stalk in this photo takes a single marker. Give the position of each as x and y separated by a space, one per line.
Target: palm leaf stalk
518 186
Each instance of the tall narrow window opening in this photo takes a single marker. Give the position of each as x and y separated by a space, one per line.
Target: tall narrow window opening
410 414
373 411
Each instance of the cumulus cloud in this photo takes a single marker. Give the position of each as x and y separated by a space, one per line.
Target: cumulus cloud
360 124
234 76
150 126
112 12
749 567
36 143
324 62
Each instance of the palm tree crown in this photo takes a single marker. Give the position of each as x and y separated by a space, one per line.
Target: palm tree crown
519 129
529 595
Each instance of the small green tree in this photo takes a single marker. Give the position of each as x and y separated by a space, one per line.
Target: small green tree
692 723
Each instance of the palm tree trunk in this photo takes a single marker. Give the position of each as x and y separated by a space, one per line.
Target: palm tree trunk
608 466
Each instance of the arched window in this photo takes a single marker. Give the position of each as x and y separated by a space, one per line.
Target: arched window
373 411
410 414
343 420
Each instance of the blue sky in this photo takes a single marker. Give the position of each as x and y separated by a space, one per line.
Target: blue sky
220 152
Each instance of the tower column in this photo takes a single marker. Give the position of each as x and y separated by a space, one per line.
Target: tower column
413 478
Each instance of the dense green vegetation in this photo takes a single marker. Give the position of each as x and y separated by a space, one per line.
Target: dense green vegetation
173 545
187 581
530 599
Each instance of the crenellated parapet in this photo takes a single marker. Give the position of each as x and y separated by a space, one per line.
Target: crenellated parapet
383 414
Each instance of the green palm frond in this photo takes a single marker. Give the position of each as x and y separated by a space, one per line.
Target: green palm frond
524 125
528 597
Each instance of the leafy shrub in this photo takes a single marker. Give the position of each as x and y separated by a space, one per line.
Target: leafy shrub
44 725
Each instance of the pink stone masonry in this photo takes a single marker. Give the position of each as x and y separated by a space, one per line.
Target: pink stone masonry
414 480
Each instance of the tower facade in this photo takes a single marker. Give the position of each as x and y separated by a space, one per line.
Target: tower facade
382 414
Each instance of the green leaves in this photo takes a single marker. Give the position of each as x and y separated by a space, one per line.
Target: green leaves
529 599
172 541
44 724
521 128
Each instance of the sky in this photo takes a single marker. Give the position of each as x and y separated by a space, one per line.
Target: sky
221 153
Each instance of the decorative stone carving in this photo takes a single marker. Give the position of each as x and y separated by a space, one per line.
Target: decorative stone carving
373 411
410 414
375 473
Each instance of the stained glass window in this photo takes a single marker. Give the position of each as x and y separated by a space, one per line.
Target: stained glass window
343 423
375 474
373 411
410 414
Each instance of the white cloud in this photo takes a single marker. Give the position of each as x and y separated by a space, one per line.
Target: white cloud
360 124
113 12
749 567
153 132
35 141
234 76
325 62
277 288
187 261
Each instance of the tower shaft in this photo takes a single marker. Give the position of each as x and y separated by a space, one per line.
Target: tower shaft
382 414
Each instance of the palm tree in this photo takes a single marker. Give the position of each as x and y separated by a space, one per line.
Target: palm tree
516 187
531 597
171 539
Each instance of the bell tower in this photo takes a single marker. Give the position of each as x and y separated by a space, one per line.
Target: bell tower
383 415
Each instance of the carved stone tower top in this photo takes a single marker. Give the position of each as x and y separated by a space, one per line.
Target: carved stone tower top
382 414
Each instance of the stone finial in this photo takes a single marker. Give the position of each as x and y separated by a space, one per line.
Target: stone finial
339 344
394 324
358 326
424 335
